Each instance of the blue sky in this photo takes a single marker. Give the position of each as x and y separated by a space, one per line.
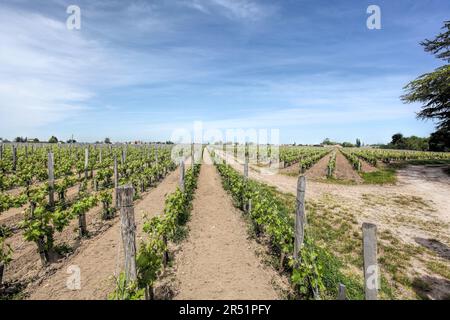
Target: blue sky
142 69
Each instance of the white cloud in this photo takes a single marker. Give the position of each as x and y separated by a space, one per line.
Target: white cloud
40 70
233 9
197 5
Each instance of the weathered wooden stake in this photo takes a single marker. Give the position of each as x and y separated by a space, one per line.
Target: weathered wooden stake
14 157
246 168
1 151
51 180
2 270
182 175
128 230
86 163
300 217
116 181
192 156
149 295
342 292
124 157
371 276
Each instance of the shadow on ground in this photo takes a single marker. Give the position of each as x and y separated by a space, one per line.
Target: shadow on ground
441 249
427 287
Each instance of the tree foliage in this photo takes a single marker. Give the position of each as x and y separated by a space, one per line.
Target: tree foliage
53 139
440 141
433 89
408 143
20 139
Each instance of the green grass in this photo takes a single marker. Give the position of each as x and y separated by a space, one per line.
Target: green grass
334 180
382 176
439 268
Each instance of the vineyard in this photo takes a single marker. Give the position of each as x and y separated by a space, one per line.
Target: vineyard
136 224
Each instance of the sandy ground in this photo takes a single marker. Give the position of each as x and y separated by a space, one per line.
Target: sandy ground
366 167
100 258
320 169
218 261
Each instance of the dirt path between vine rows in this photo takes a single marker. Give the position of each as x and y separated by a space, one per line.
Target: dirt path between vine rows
218 261
344 169
101 258
320 169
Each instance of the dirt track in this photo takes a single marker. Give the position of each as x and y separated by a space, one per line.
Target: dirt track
344 169
319 170
99 259
217 261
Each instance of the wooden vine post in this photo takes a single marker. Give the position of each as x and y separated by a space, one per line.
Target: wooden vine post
371 272
1 151
300 218
342 294
82 217
246 168
14 157
124 156
116 180
182 175
244 204
128 230
51 180
192 156
86 163
2 270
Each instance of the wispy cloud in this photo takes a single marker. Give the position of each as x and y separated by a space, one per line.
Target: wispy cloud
40 70
49 74
249 10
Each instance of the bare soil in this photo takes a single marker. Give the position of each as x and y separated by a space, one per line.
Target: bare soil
366 167
100 258
320 169
344 169
218 260
292 169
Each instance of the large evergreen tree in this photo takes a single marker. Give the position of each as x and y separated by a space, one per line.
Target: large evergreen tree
433 89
